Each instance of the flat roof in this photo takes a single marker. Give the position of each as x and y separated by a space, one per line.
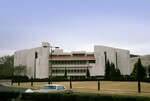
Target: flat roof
65 58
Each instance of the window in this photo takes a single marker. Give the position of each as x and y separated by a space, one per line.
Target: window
49 87
36 55
60 88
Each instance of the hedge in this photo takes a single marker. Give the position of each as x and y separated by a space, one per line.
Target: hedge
8 95
79 97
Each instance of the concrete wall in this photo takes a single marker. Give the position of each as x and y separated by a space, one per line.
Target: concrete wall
36 60
123 61
120 57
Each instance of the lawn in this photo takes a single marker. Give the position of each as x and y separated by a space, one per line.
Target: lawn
106 87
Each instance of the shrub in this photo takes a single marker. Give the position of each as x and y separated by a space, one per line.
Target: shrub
83 98
5 95
67 97
78 97
54 97
35 96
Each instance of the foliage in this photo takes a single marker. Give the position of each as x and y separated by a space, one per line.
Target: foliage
79 97
87 73
8 95
18 70
111 71
118 73
149 71
107 70
6 65
139 71
65 75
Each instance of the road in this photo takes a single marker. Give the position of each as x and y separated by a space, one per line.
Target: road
6 88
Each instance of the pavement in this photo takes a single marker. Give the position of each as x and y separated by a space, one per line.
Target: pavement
6 88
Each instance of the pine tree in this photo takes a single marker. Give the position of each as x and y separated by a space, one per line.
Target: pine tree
134 72
87 73
107 70
65 75
141 73
112 72
118 73
149 71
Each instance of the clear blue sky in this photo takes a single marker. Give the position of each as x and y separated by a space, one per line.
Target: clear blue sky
75 24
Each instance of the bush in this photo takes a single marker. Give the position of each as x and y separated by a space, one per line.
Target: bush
54 97
35 96
79 97
66 97
83 98
5 95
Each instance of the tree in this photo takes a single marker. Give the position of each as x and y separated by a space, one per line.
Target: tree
19 70
107 70
87 73
118 73
149 71
6 66
65 75
112 70
134 72
141 73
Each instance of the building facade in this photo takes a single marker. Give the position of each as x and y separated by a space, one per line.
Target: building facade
35 60
43 62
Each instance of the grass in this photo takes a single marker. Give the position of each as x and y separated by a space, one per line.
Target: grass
106 87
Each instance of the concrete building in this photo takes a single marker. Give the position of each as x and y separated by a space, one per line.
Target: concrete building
43 62
35 59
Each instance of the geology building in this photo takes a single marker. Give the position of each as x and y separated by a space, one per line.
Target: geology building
42 62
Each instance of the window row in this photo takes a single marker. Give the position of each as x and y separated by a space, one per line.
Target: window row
70 71
67 62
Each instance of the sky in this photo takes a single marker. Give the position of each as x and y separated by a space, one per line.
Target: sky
75 25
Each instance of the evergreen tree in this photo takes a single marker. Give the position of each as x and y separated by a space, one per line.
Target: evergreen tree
118 73
87 73
65 75
134 72
107 70
149 71
112 72
141 72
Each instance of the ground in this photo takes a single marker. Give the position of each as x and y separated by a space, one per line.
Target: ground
106 87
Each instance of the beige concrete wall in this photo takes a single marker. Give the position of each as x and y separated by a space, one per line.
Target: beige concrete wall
36 67
121 60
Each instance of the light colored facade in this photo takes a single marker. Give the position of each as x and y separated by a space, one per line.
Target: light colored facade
145 60
120 57
76 63
35 59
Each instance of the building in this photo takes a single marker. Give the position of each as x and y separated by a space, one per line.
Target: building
35 59
43 62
